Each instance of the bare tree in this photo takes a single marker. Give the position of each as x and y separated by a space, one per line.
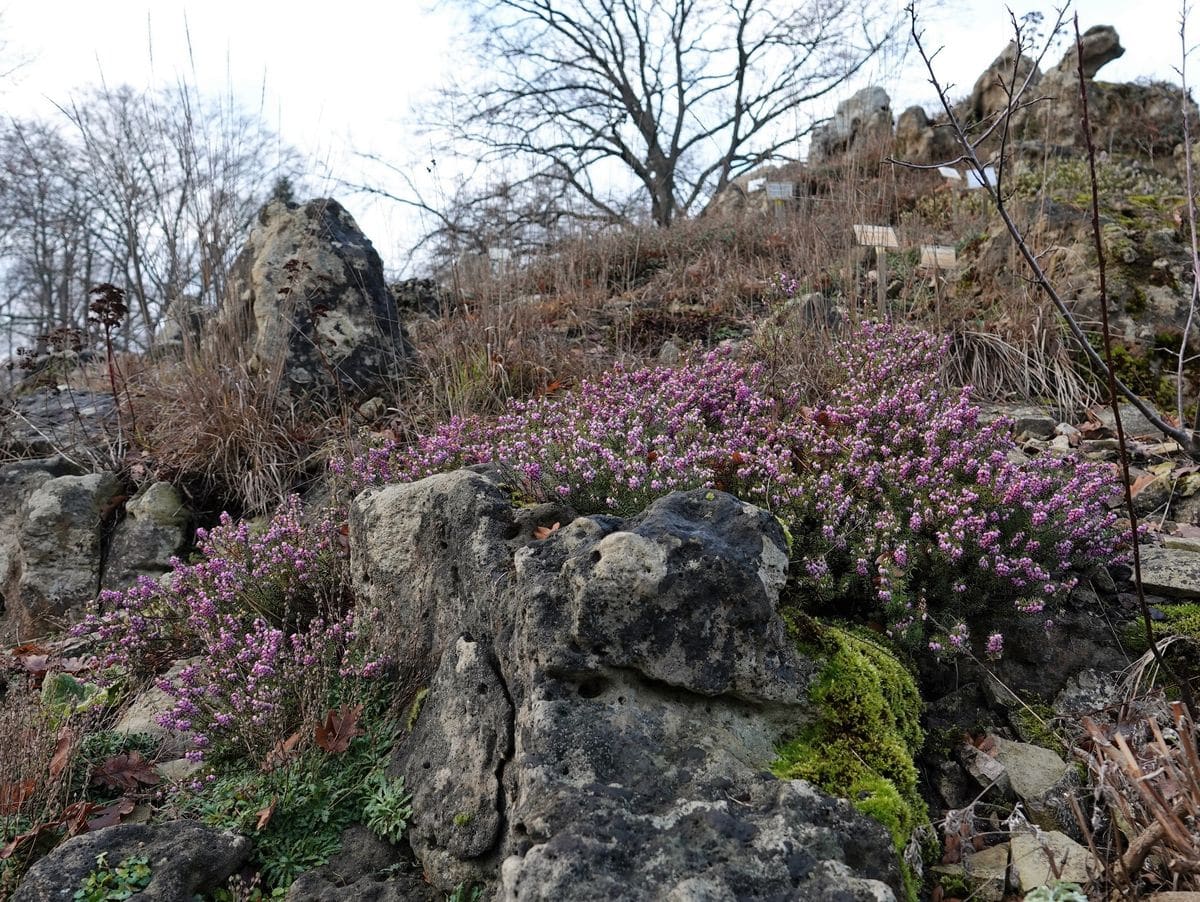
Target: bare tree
680 96
152 191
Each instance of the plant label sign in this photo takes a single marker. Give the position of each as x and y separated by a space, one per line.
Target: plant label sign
938 256
876 236
780 190
989 178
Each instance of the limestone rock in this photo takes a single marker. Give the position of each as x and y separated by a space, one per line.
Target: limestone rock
1099 46
59 420
1171 572
1040 779
154 530
920 140
989 96
611 696
56 567
366 869
987 873
308 295
142 716
864 117
454 760
185 857
18 480
1032 854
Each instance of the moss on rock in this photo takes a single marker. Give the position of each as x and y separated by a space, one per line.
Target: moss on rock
861 747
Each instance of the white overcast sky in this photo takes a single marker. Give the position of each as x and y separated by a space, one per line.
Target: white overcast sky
337 77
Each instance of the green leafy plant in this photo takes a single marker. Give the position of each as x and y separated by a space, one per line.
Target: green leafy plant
388 806
466 892
297 809
105 884
1062 891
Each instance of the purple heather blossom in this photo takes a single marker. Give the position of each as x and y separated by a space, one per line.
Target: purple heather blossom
891 467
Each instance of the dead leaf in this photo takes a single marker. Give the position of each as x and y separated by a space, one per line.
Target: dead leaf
62 753
544 532
340 726
1142 483
283 752
127 771
13 795
112 814
264 814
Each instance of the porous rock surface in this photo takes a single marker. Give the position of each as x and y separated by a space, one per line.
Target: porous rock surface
604 703
185 858
307 293
51 565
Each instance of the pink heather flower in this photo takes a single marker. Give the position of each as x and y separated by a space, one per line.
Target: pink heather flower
995 645
891 466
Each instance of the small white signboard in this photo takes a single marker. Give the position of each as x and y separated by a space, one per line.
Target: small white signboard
950 173
938 256
780 190
989 178
876 236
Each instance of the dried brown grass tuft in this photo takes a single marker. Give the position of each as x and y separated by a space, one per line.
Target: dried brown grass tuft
1145 772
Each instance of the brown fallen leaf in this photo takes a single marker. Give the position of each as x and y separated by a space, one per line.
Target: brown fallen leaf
544 532
264 814
126 771
340 726
283 752
1142 483
13 795
111 814
62 753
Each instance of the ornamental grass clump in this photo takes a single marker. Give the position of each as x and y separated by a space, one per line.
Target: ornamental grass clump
904 507
259 618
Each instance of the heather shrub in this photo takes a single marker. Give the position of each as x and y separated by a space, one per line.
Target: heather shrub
904 507
260 622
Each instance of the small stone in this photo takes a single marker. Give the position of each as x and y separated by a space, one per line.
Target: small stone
985 770
1033 423
1038 777
372 409
669 353
1171 572
1031 860
177 769
987 873
1060 443
1182 543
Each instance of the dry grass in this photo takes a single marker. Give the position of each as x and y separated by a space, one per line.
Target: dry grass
1145 772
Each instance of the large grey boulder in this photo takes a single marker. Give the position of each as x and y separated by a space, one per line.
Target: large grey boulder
308 296
863 118
55 567
19 480
604 703
59 420
154 530
185 858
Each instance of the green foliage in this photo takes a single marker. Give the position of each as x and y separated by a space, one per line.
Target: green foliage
311 799
388 807
130 876
1062 891
63 696
466 892
862 745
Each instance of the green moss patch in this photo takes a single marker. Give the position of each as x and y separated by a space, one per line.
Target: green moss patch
861 747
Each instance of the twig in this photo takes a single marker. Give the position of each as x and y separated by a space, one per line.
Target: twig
1106 335
1184 437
